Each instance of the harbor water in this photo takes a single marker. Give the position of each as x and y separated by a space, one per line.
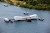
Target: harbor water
36 26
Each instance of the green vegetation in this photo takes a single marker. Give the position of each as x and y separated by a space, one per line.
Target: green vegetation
2 0
41 6
37 4
10 2
18 3
32 4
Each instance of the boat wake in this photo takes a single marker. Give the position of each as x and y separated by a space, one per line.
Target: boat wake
2 17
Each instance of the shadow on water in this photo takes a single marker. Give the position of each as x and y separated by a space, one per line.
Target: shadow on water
18 21
32 21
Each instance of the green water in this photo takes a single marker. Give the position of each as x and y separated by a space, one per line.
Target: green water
35 26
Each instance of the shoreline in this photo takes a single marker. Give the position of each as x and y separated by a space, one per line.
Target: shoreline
25 7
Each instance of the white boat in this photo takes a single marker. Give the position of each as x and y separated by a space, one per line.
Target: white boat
19 18
6 5
26 12
6 19
34 16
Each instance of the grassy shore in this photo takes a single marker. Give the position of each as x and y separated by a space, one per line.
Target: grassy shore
24 5
14 2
